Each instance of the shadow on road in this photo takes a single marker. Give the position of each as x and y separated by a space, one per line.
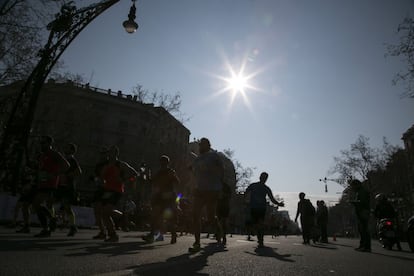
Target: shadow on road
35 244
111 249
394 256
186 264
324 246
344 245
270 252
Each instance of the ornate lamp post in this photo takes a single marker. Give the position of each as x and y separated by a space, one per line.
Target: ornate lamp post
68 23
130 25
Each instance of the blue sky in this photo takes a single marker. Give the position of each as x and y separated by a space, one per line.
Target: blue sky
317 70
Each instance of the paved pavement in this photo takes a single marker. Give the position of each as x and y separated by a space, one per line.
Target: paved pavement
21 254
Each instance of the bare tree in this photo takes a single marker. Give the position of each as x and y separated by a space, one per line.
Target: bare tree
405 49
243 174
22 35
140 92
361 159
67 76
170 102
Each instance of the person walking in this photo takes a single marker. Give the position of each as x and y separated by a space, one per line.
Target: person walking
322 220
362 211
257 193
307 217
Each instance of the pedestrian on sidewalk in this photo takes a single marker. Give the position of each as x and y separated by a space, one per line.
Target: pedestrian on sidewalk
362 211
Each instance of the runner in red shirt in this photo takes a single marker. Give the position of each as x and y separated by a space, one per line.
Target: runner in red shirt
50 165
114 174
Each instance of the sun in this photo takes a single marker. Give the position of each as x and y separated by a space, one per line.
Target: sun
237 83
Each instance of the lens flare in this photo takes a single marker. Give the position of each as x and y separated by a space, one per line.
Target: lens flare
178 198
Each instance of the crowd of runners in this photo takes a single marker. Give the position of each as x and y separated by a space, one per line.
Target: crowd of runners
54 182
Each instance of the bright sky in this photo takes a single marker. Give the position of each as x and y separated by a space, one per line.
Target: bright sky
314 74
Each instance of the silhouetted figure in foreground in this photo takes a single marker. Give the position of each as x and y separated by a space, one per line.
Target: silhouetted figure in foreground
208 171
307 217
362 211
257 193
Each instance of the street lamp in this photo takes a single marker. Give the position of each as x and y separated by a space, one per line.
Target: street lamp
68 23
326 184
130 25
325 180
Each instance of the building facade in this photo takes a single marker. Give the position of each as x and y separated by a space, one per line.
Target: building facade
94 118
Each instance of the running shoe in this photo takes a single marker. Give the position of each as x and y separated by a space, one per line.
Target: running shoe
196 248
159 237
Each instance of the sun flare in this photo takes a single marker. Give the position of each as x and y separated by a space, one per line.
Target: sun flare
237 83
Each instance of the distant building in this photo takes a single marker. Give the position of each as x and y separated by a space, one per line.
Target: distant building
94 118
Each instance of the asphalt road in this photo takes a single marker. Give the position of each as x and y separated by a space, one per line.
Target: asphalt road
21 254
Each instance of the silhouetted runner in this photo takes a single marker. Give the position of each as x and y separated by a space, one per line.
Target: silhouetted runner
257 193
